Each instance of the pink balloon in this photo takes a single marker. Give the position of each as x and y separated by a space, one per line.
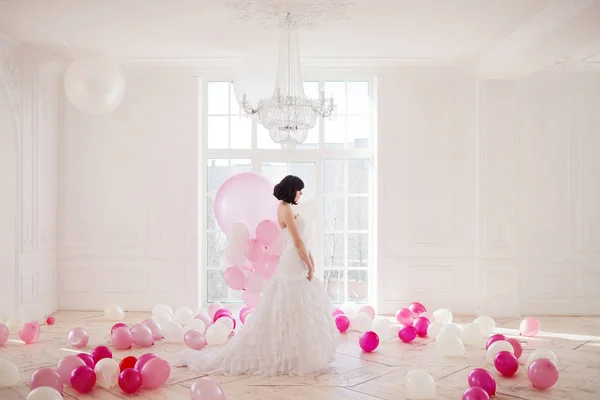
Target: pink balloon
246 198
204 318
83 379
50 320
66 365
266 232
29 332
271 266
251 299
255 282
254 251
143 359
206 389
276 248
243 310
194 339
421 324
78 337
154 327
221 312
337 312
482 378
142 335
227 316
494 338
118 325
407 333
368 341
4 334
530 327
368 309
475 393
213 308
130 380
342 322
46 377
417 309
121 338
235 278
87 359
101 352
542 373
404 316
155 373
516 346
244 315
506 363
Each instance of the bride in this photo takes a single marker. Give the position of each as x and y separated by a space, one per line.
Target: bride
291 331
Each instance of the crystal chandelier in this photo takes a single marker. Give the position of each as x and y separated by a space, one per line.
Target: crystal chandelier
288 114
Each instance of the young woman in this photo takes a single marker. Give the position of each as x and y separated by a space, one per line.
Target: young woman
291 331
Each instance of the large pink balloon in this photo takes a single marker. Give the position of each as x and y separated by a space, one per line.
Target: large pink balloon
235 278
246 198
206 389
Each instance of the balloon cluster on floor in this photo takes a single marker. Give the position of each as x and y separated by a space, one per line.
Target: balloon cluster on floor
451 341
246 211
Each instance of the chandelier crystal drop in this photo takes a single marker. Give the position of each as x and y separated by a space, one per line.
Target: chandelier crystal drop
288 114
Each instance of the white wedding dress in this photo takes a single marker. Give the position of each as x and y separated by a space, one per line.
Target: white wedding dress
291 330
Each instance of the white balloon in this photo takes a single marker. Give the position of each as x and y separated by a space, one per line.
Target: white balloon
420 385
434 329
114 312
184 315
429 316
234 253
451 329
217 334
107 373
486 324
228 322
162 312
349 309
442 315
383 328
497 347
172 332
95 85
196 324
450 344
44 393
541 353
239 233
362 322
470 334
9 373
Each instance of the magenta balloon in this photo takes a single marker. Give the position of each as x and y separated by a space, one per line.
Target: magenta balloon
66 365
101 352
46 377
118 325
407 333
482 378
246 198
130 380
336 312
421 325
83 379
506 363
405 316
87 359
342 322
494 338
143 359
542 373
475 393
516 346
417 308
368 341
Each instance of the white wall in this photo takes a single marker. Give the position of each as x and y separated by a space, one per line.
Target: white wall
492 215
488 194
29 185
127 198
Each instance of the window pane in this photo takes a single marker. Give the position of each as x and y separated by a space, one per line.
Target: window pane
358 249
240 165
218 132
274 171
263 139
334 213
335 133
358 213
311 89
241 132
334 175
358 132
358 287
358 97
216 243
218 97
334 285
358 175
211 221
307 171
334 250
337 90
216 287
233 102
216 173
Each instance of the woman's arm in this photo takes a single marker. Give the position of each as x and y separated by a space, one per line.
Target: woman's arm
290 222
311 270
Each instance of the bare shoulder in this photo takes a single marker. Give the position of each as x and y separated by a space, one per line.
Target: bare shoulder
284 211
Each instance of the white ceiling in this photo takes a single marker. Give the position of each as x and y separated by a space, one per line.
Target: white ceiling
495 35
